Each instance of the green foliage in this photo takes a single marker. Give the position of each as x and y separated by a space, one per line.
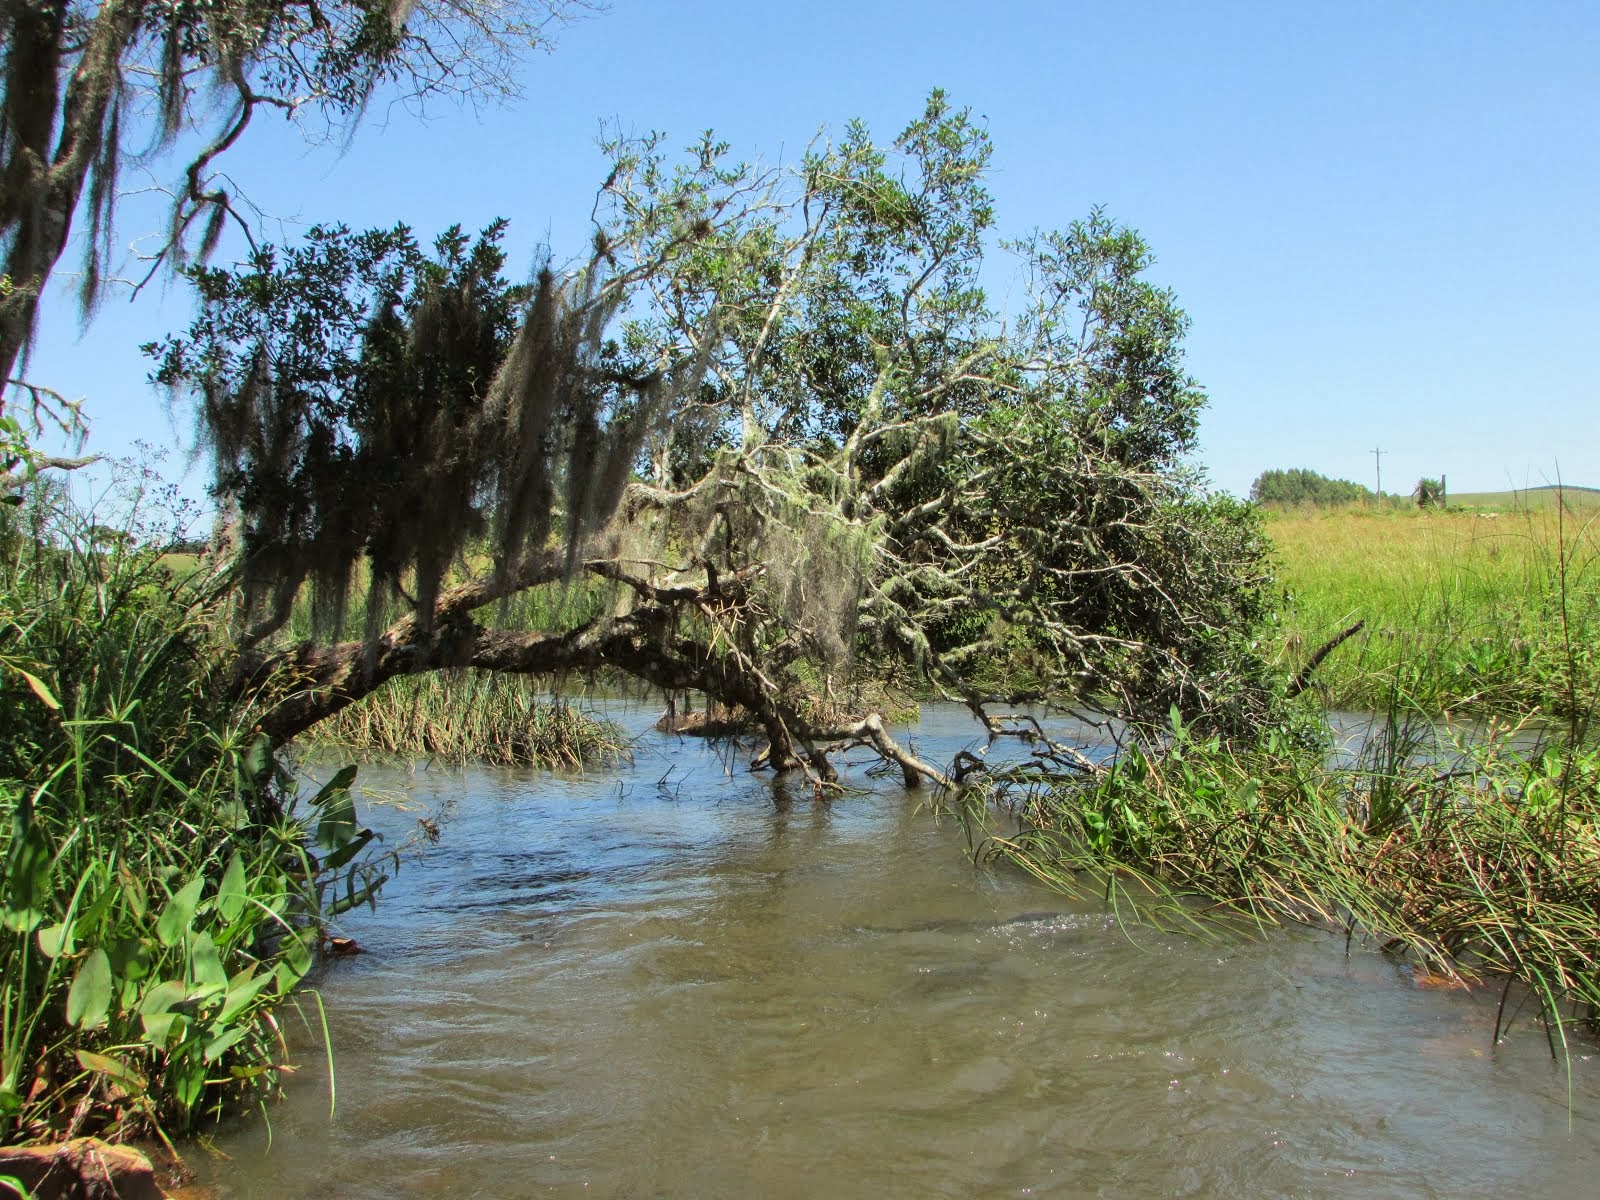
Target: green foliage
1473 856
164 888
1301 486
811 447
471 716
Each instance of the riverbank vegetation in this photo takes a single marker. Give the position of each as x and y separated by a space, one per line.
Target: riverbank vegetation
166 882
470 717
770 442
1474 853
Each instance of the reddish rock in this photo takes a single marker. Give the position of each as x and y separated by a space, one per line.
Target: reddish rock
83 1169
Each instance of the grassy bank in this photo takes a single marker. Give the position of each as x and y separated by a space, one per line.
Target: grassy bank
1477 860
470 716
165 884
1495 611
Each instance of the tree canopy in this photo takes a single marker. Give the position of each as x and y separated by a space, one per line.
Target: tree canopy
774 414
1302 486
92 87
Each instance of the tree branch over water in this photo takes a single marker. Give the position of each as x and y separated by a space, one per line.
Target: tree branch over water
770 433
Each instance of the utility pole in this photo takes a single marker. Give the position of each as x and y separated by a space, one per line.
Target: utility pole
1377 457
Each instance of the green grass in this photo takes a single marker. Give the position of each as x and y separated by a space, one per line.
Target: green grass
470 716
164 885
1493 612
1477 860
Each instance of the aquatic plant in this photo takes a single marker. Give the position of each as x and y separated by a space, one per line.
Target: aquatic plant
1475 854
471 716
165 885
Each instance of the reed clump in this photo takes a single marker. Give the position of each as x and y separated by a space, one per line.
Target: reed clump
1477 857
165 884
1498 612
471 716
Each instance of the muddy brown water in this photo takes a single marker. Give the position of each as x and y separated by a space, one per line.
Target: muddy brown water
655 982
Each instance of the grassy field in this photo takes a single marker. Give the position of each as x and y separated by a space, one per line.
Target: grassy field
1496 611
1577 499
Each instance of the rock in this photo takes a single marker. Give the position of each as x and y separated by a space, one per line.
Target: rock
82 1169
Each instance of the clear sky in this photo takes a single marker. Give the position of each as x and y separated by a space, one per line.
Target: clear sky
1383 218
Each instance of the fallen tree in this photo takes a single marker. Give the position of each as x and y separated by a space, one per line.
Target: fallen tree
773 430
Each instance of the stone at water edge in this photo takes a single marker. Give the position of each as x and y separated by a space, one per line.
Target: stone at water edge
82 1169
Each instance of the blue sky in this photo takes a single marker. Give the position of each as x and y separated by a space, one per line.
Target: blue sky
1383 219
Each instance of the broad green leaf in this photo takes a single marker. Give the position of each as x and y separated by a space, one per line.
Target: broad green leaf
118 1071
338 858
340 782
218 1046
206 964
89 997
189 1083
179 913
231 891
240 994
130 958
338 823
258 761
163 996
27 878
166 1029
56 940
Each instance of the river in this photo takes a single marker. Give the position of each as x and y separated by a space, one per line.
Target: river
656 982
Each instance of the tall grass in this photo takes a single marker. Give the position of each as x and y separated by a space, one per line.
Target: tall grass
1475 858
1494 612
470 716
164 884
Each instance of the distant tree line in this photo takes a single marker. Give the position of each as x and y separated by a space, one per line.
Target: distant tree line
1301 486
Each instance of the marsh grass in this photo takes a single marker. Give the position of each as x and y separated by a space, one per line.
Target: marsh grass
1478 858
164 883
1496 612
470 716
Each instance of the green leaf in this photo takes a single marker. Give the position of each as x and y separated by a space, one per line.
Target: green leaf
115 1069
338 858
37 686
56 940
338 824
179 913
89 997
162 997
189 1083
258 761
240 994
206 964
130 958
218 1046
340 782
231 892
163 1030
27 878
